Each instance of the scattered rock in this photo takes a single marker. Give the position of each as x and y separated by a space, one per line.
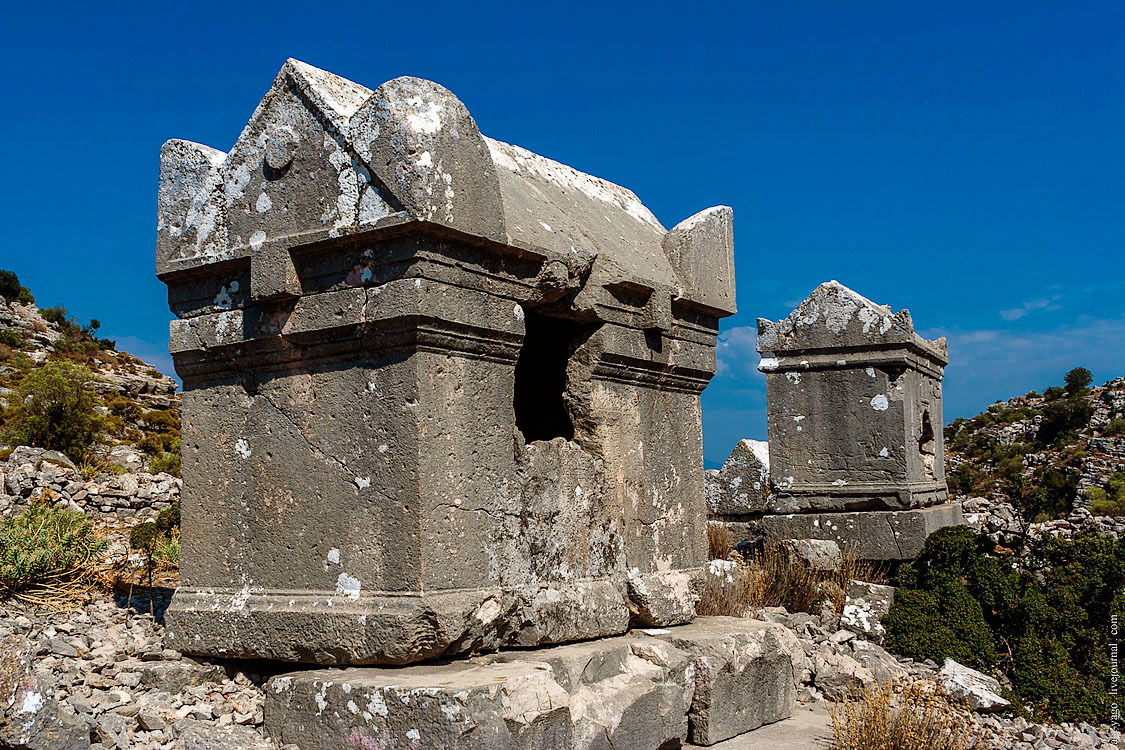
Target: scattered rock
980 691
865 607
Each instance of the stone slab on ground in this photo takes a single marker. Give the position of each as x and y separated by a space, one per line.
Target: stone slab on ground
744 674
807 729
878 535
720 676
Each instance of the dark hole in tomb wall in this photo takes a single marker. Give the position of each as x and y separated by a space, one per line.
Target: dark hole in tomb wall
541 377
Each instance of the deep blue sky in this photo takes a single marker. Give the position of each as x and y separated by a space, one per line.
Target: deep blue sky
964 160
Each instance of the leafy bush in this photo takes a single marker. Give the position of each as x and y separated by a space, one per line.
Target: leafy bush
162 420
1062 418
1077 381
10 289
55 408
914 715
1040 619
1111 500
78 338
1115 428
46 547
12 338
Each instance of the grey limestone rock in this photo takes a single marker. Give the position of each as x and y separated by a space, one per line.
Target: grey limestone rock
980 691
719 676
865 607
742 485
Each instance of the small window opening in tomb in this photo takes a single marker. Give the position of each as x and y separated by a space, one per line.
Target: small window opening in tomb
541 412
894 372
926 444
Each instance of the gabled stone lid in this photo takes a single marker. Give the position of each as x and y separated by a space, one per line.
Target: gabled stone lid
323 157
835 318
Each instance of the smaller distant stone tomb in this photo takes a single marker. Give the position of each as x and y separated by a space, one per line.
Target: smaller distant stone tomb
853 398
441 394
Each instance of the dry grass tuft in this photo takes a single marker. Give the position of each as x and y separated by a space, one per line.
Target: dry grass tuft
720 541
769 576
910 715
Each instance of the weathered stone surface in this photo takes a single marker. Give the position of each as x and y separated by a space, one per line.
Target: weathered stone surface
742 485
854 408
441 394
30 718
603 694
839 674
745 674
817 554
877 535
722 676
980 691
865 607
883 665
192 734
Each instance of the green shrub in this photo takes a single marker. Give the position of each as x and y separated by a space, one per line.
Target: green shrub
169 461
1077 381
946 622
1114 428
10 289
1062 419
1053 393
168 519
162 420
46 546
1040 619
156 443
12 338
55 408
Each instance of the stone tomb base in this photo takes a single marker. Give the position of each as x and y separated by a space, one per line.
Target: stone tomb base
705 682
878 535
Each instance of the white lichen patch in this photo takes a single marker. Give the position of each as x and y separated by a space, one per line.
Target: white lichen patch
242 448
348 585
884 453
334 556
879 402
32 702
518 312
363 482
264 203
768 364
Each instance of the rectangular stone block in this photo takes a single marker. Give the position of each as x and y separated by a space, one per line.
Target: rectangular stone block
878 535
711 680
744 674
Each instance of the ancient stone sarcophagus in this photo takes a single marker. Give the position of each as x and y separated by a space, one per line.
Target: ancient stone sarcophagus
855 425
441 394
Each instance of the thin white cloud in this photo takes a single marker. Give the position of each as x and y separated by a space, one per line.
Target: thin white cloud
1016 313
989 365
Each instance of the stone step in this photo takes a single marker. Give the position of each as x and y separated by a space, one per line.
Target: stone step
708 681
809 728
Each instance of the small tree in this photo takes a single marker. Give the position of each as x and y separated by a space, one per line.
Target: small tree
10 289
55 408
1077 381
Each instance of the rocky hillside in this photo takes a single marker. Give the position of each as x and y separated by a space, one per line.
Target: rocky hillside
1048 456
138 407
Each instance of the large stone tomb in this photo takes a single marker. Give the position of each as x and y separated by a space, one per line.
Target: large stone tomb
854 417
441 394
